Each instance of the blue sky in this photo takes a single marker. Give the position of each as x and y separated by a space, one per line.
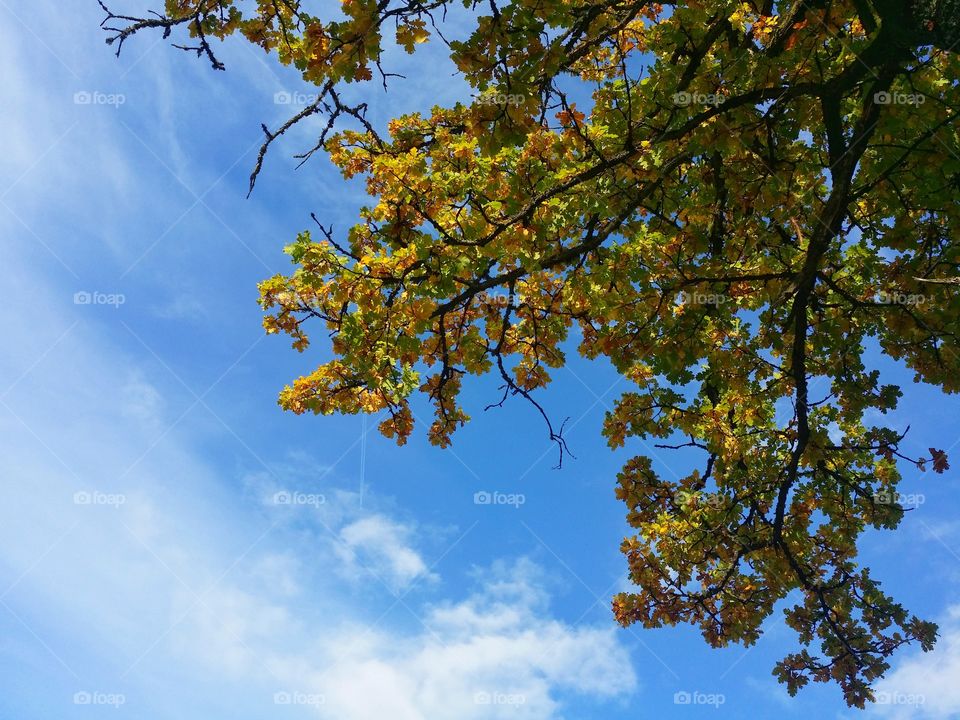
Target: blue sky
149 566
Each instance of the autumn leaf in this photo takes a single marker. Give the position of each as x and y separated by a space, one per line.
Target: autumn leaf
940 464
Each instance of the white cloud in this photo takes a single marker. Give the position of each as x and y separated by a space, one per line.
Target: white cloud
926 685
496 654
380 547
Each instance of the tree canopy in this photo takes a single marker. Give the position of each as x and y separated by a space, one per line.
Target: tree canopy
741 205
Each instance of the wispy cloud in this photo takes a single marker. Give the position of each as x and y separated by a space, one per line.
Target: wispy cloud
188 578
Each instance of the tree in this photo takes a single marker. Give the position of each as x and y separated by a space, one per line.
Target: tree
736 203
